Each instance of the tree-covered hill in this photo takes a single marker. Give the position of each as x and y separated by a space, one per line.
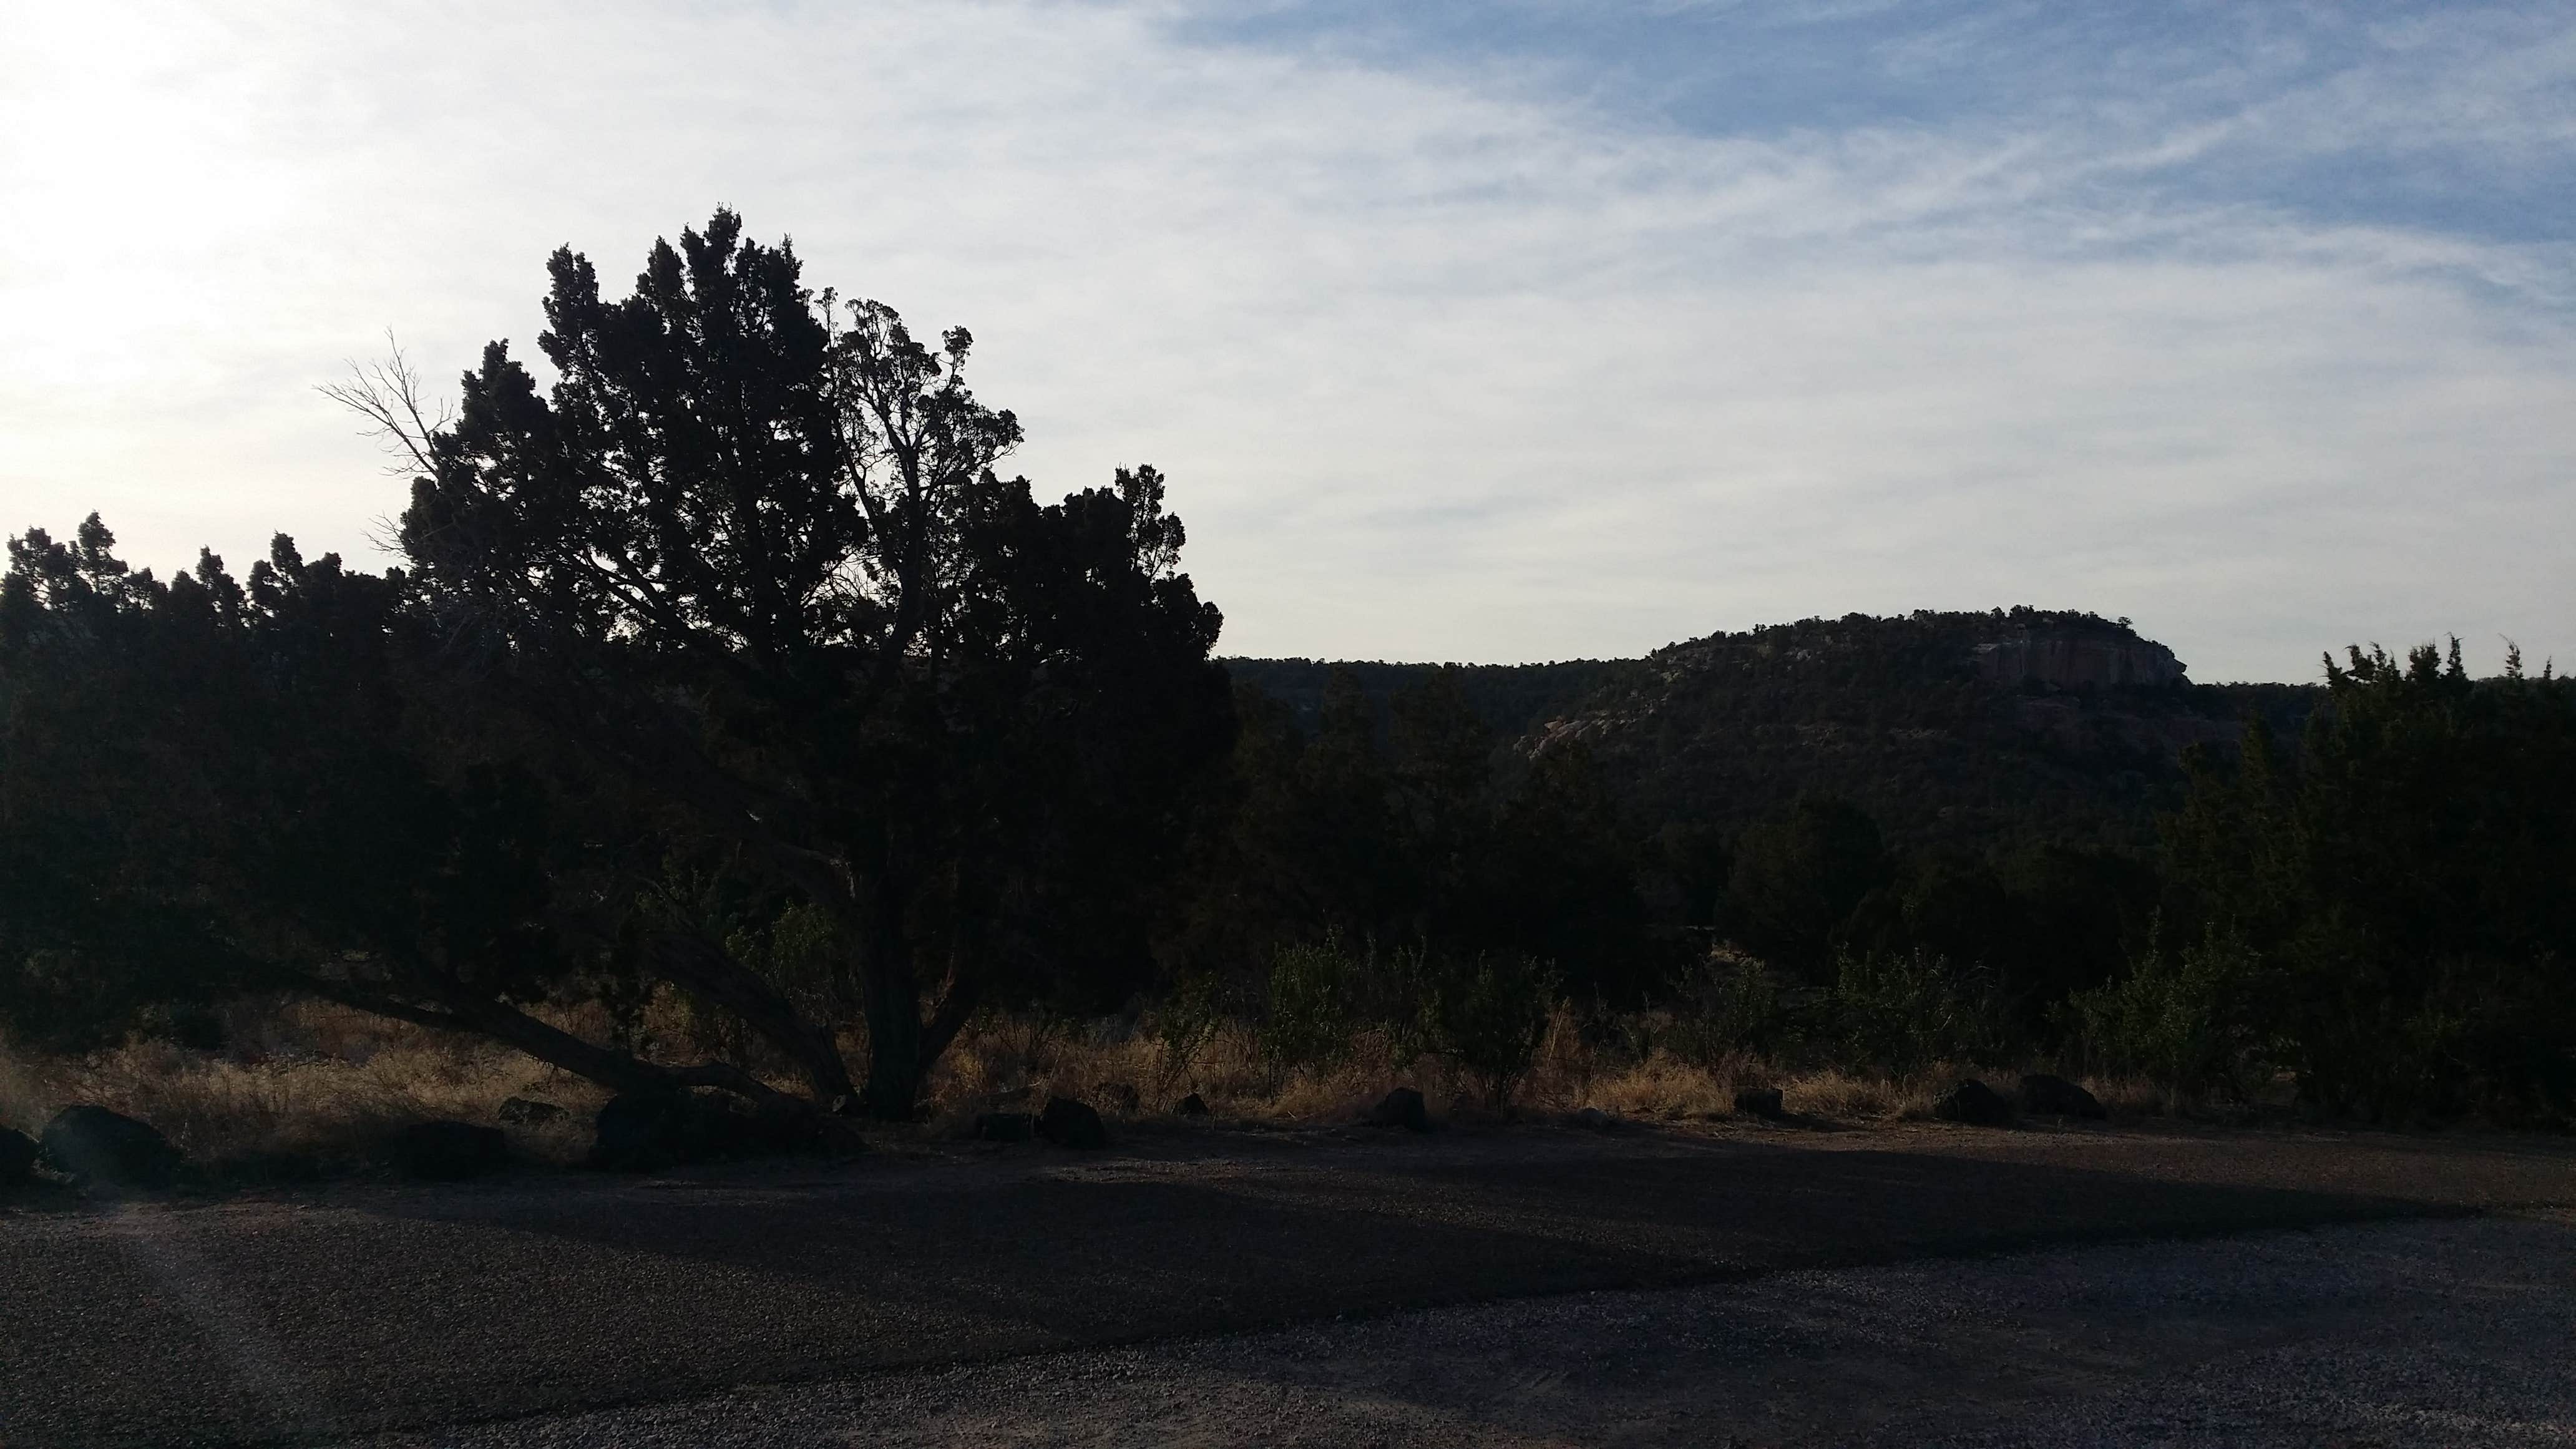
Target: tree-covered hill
1949 729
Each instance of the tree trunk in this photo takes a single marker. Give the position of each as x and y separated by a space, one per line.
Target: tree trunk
616 1070
895 1064
704 968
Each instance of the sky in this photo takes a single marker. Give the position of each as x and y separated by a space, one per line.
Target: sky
1496 332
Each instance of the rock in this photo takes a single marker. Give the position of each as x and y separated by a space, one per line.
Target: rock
839 1136
17 1158
1004 1126
776 1127
1192 1105
270 1169
2045 1096
529 1112
1401 1108
1120 1098
1593 1119
447 1151
1068 1123
1760 1102
646 1131
93 1144
1975 1103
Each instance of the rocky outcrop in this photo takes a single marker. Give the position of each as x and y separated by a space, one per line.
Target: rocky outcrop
2076 656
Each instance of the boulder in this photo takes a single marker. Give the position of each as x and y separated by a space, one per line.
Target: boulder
1760 1102
1974 1103
2045 1096
1401 1108
773 1128
529 1112
17 1158
839 1136
1192 1105
1068 1123
1005 1126
1593 1119
270 1169
446 1151
647 1131
1121 1098
94 1145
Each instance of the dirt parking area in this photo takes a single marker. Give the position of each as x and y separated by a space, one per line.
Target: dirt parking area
2449 1333
1510 1257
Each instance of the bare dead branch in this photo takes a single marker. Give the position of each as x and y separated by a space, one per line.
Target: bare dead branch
388 394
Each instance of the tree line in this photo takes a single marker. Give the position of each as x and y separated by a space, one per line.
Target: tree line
731 665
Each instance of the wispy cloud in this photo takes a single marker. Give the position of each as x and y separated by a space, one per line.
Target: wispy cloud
1496 334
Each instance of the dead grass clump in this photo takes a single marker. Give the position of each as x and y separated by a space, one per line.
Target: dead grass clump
299 1080
1665 1086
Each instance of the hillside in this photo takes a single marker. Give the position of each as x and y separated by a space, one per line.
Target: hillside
1960 729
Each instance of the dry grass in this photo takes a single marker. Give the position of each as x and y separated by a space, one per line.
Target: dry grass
1009 1062
323 1083
302 1080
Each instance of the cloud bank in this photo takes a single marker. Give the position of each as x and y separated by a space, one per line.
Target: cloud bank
1501 333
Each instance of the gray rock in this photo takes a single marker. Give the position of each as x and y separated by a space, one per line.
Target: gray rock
648 1131
1593 1119
18 1153
1068 1123
2045 1096
839 1136
1974 1103
529 1112
271 1169
447 1151
94 1145
1004 1126
1401 1108
1760 1102
1192 1105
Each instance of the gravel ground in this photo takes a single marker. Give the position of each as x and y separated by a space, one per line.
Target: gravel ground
2455 1333
316 1315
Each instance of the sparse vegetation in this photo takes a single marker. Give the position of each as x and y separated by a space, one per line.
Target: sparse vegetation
734 725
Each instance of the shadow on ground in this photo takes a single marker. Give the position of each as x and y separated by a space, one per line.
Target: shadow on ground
332 1313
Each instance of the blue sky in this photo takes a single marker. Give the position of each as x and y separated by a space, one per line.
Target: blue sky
1504 331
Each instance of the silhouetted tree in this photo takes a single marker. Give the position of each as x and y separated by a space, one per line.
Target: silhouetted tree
2405 883
213 788
751 551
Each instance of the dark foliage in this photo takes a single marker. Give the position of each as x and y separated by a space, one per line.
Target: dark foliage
2397 897
730 666
751 552
744 588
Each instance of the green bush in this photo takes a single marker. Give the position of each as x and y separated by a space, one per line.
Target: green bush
1733 1004
2177 1017
1313 1005
1182 1026
1489 1014
1904 1011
